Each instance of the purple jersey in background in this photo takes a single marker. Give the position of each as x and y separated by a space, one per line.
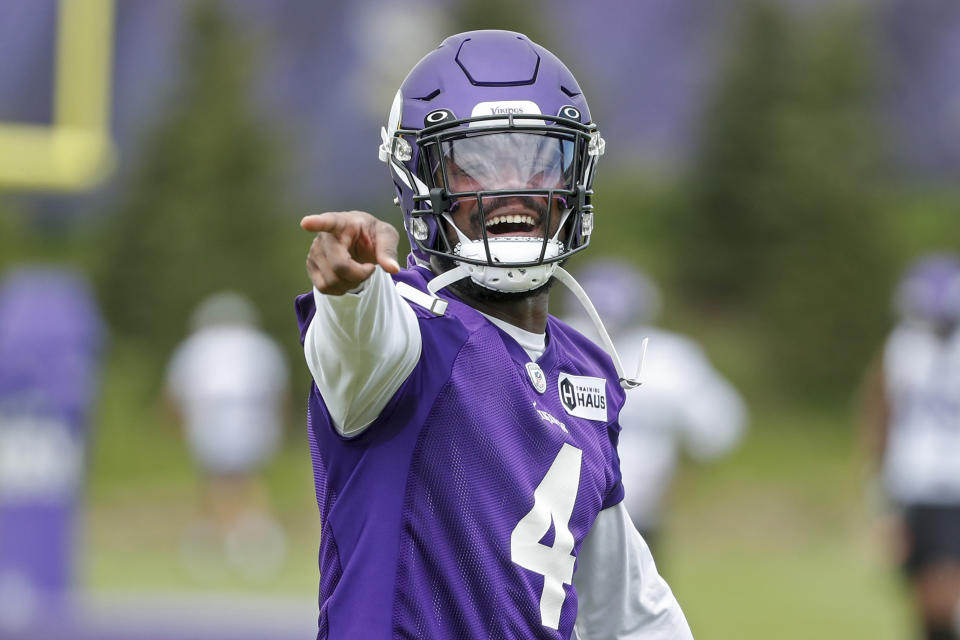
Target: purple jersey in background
460 511
51 336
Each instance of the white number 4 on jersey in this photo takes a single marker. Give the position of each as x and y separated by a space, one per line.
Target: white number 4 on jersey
553 500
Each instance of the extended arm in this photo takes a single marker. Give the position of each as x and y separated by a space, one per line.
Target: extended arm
364 340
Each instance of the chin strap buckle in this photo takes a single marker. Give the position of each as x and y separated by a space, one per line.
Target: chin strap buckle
434 304
430 300
636 381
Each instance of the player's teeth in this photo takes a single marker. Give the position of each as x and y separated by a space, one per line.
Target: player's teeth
510 219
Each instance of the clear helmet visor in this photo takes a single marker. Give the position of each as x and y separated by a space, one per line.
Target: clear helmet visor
504 161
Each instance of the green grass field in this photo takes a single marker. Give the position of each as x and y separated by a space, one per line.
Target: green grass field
774 542
778 543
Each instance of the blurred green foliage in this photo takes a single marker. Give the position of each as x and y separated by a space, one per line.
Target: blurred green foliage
734 211
206 208
781 220
9 234
25 239
778 251
778 248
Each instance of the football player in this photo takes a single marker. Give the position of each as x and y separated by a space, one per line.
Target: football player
684 406
912 421
227 382
463 440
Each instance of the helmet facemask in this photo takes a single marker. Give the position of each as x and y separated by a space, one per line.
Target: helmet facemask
522 206
506 198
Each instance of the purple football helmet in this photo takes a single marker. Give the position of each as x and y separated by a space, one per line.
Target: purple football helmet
492 128
929 292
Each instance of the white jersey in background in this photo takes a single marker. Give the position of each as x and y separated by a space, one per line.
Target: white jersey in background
682 406
229 382
922 385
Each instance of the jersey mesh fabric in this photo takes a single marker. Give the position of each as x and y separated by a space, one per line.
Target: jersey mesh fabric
328 559
481 455
446 579
478 452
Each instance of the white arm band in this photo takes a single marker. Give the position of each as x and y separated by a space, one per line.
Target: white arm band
360 347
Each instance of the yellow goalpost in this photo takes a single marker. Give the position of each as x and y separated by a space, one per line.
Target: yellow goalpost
75 152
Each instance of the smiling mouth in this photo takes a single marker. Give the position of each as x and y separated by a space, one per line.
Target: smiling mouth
512 224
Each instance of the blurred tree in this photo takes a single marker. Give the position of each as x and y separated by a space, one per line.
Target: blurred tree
782 216
9 234
833 269
728 230
24 239
205 210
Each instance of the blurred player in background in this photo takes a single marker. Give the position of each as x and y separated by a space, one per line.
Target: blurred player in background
228 382
911 422
464 441
52 338
684 404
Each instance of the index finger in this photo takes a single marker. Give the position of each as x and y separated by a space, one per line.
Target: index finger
330 222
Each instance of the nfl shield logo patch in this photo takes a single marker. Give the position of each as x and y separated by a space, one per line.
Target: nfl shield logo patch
537 378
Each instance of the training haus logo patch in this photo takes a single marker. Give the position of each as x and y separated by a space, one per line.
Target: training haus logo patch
583 396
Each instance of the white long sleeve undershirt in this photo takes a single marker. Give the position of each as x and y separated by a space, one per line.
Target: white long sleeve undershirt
621 595
360 347
363 345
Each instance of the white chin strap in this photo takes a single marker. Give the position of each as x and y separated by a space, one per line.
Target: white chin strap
459 273
627 383
508 250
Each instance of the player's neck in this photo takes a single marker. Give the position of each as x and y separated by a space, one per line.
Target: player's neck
526 311
530 314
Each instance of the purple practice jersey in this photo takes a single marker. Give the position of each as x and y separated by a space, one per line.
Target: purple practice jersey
460 511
